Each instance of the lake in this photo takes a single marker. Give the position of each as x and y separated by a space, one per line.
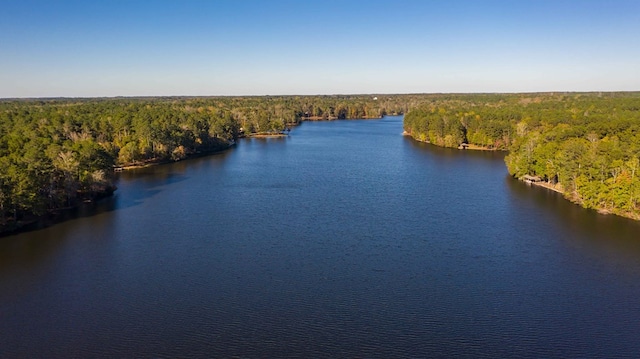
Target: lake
344 239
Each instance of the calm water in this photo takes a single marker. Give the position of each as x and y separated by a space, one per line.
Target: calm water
343 240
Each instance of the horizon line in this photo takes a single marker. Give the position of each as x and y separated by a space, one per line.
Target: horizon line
315 95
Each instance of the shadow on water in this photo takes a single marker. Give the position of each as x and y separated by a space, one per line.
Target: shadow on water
263 143
150 178
108 204
83 210
30 252
29 247
142 186
265 139
585 228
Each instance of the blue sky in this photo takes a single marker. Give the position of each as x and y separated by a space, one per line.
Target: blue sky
242 47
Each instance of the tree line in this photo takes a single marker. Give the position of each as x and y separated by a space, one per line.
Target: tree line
586 145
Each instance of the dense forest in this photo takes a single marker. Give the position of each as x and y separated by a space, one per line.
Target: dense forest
57 153
585 145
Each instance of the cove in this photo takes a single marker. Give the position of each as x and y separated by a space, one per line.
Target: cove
344 239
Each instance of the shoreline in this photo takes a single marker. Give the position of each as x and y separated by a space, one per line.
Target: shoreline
334 118
544 184
470 147
602 211
266 135
477 148
158 162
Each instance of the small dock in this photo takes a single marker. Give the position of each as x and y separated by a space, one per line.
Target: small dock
531 179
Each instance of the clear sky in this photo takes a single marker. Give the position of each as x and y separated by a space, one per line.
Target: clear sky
90 48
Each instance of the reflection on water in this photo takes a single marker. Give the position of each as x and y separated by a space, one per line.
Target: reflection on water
589 230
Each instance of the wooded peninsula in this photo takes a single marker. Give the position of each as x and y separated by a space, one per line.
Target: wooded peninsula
57 153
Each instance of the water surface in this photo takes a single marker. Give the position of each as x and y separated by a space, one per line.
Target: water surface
344 239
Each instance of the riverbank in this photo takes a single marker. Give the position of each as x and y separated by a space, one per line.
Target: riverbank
547 185
476 148
155 162
464 146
